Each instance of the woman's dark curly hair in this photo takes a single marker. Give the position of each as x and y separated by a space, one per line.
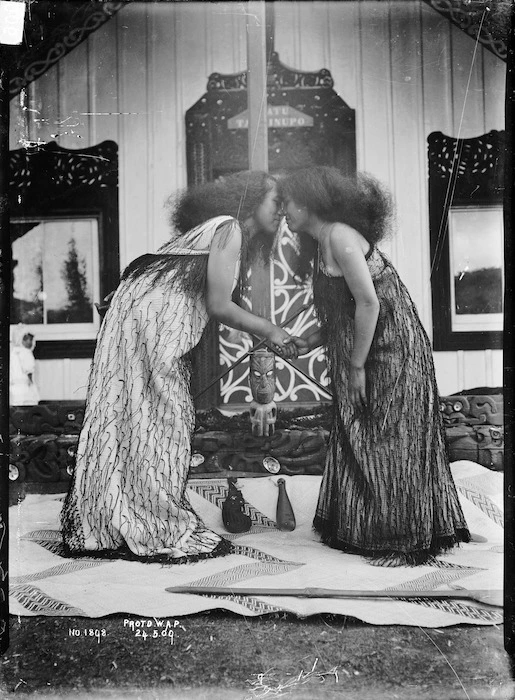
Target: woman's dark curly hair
237 195
360 202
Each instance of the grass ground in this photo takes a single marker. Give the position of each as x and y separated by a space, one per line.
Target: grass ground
222 656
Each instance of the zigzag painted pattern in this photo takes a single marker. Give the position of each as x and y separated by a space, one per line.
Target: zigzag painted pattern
263 521
440 564
54 546
54 535
461 609
258 554
255 606
254 530
51 540
39 603
246 571
60 570
483 503
432 580
216 493
212 491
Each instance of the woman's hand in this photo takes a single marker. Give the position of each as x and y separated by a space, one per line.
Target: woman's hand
282 343
357 387
302 345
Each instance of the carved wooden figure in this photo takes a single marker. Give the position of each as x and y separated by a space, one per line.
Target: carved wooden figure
263 409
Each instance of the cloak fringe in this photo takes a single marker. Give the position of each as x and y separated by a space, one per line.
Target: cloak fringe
386 557
222 549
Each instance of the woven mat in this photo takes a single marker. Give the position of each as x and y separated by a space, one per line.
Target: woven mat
43 582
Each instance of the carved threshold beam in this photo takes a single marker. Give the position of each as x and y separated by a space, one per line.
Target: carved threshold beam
488 21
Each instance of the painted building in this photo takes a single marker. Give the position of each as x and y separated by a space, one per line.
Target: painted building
404 69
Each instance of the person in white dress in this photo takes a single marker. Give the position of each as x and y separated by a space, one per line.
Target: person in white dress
22 387
127 496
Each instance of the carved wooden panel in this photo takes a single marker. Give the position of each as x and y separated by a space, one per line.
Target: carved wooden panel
486 22
51 30
308 124
217 141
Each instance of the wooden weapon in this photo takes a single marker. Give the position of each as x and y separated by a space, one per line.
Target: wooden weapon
489 597
323 388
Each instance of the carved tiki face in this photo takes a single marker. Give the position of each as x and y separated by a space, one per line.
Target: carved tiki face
262 376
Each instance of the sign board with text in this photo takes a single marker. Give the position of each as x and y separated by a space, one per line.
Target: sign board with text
279 116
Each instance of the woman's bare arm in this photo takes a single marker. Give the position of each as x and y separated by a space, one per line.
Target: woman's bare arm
223 258
347 252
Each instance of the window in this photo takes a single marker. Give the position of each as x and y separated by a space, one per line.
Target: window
466 184
476 265
64 242
56 277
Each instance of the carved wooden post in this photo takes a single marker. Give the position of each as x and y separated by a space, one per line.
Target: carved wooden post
263 409
5 293
262 363
258 135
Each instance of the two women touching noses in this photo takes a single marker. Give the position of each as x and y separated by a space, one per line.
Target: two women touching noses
387 491
343 251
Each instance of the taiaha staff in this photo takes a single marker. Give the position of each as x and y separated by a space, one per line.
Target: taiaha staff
489 597
304 374
249 352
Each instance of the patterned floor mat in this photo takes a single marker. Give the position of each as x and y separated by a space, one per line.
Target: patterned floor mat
44 582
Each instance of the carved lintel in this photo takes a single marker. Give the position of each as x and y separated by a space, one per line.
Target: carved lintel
279 77
478 160
55 170
46 43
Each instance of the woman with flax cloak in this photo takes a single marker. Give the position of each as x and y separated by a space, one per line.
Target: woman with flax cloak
387 490
128 496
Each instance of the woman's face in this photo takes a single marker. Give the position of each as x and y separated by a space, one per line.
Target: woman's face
296 216
267 216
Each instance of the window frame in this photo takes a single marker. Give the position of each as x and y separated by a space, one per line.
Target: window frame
51 182
462 173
